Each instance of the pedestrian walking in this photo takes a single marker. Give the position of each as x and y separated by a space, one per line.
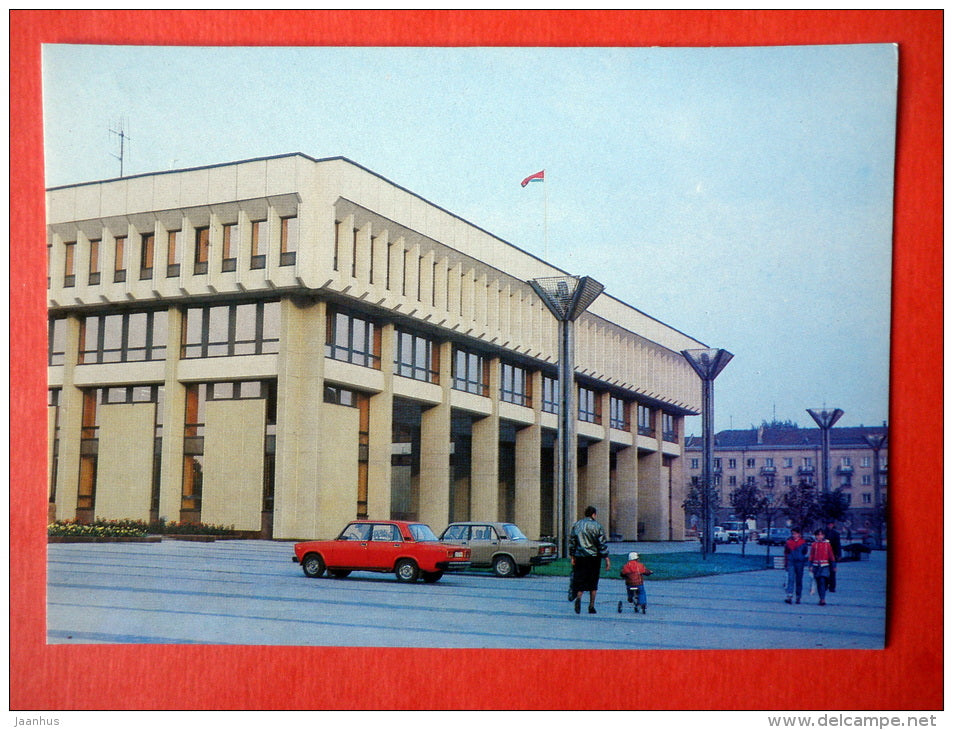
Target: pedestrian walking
633 571
588 547
795 558
822 560
833 537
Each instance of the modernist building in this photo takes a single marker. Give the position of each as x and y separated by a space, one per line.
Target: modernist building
284 344
779 456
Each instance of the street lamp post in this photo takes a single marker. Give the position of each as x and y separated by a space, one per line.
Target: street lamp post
708 363
877 441
567 297
825 419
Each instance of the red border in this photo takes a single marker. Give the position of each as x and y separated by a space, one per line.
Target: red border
906 676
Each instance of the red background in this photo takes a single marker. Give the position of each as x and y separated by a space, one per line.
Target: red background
905 676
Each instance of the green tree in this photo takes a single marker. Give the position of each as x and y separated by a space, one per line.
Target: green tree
747 501
801 505
832 506
694 504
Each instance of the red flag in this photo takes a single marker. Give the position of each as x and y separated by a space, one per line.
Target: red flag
537 176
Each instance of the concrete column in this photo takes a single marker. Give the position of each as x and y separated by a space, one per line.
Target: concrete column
594 488
435 451
485 455
653 492
71 421
528 468
299 428
624 511
381 425
173 422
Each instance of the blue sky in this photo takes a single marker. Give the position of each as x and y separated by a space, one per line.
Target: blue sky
741 195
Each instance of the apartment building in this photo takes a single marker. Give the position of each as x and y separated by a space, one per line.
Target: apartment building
778 456
287 343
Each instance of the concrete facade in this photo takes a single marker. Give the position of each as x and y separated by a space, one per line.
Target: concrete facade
284 344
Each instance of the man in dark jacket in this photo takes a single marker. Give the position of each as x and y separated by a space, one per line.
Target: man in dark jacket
588 547
833 537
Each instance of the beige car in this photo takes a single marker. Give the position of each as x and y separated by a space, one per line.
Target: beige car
500 546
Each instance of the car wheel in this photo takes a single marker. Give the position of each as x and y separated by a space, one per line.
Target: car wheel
504 567
432 577
523 571
407 571
340 573
313 565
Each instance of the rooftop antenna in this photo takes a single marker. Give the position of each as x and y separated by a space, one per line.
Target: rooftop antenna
122 145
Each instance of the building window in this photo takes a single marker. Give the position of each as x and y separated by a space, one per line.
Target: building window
229 246
646 421
769 462
695 463
172 260
866 498
353 339
865 462
69 271
550 401
259 243
865 480
788 462
749 463
119 269
717 464
231 329
515 385
289 242
750 481
56 341
147 258
590 406
668 428
340 396
94 246
618 414
128 337
417 357
789 481
470 373
732 463
201 250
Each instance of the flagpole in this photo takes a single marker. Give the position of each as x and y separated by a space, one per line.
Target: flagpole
545 219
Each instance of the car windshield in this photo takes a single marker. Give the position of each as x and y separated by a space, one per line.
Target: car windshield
513 532
421 532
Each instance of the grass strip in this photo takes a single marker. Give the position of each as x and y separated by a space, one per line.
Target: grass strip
669 566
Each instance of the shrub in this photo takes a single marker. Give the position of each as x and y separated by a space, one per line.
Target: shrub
133 528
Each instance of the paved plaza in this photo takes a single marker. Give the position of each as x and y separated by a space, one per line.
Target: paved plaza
250 592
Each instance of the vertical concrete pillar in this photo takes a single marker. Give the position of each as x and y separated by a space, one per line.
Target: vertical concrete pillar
381 425
595 485
653 492
624 519
299 428
173 422
435 451
71 422
485 455
679 486
528 468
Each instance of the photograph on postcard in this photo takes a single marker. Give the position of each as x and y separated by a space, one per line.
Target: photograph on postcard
530 348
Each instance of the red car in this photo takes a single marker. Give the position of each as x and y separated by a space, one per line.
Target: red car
408 549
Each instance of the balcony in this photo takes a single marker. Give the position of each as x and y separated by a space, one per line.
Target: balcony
845 471
805 471
769 471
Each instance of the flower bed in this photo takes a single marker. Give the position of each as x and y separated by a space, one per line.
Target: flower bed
133 531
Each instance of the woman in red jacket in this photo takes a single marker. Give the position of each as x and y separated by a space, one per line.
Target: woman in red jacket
822 563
